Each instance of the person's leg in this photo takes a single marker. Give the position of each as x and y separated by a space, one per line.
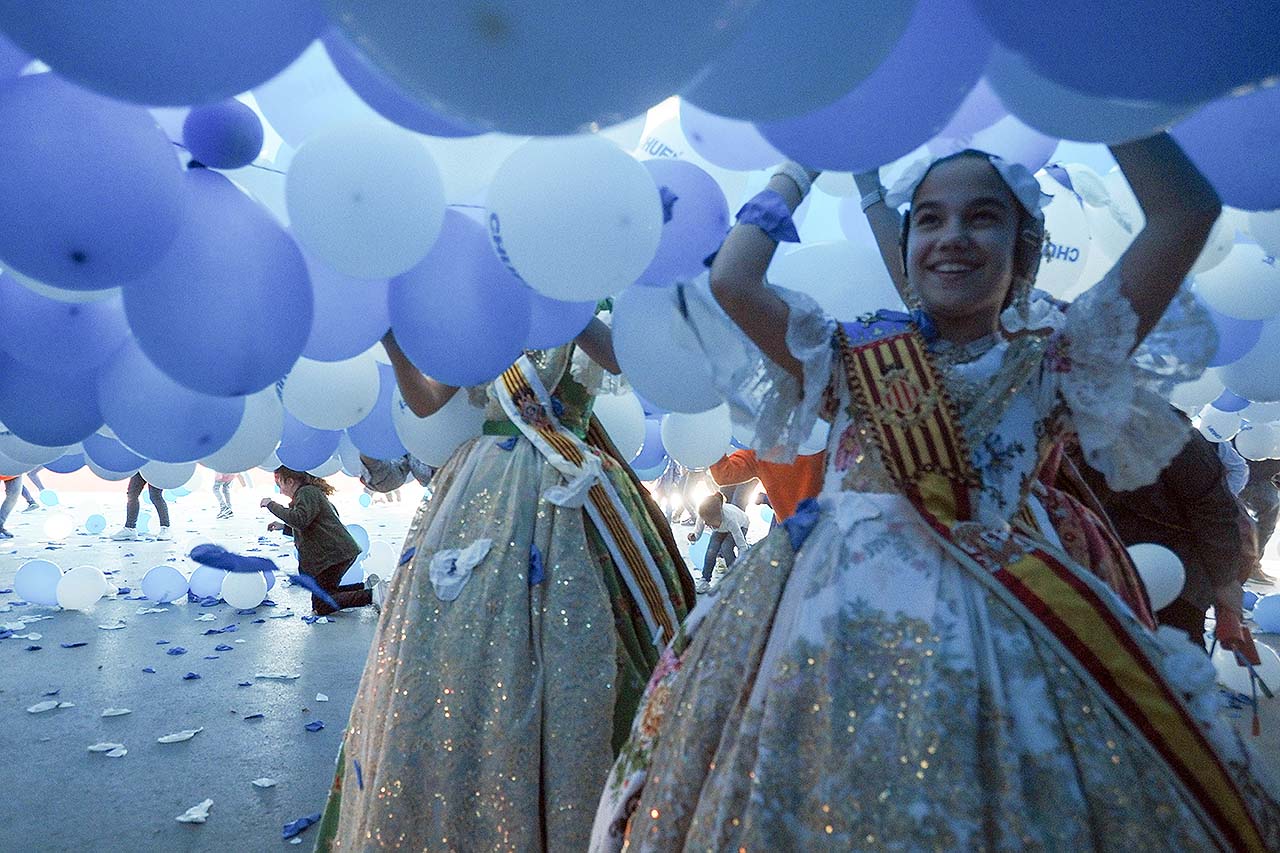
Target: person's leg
34 477
132 505
157 501
12 490
347 595
728 550
713 551
1267 516
1186 617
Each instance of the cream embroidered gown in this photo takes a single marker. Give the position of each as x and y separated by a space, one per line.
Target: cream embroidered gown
867 692
492 702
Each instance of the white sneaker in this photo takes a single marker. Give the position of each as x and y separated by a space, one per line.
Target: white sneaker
164 535
378 588
702 587
124 534
721 568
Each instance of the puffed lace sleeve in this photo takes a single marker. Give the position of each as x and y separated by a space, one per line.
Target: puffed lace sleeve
1116 396
767 403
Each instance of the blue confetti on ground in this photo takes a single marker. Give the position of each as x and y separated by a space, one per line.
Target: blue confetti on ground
223 647
314 725
75 645
176 650
150 669
191 676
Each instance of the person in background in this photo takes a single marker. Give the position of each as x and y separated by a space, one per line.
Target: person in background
32 503
728 538
1236 466
222 491
12 488
787 484
1191 511
1262 497
326 550
132 506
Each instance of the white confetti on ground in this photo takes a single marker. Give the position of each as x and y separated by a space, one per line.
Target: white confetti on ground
115 712
199 813
320 697
265 782
279 676
179 737
106 746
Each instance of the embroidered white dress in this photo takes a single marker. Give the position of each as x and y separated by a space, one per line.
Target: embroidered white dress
867 692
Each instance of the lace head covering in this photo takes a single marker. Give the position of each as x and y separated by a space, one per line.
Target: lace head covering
1031 198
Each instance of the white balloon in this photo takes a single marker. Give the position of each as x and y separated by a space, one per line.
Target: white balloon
1217 425
1231 674
1067 253
244 590
206 581
168 475
1258 441
846 279
58 526
622 416
1221 240
1245 284
1190 396
576 218
666 139
37 582
381 560
838 184
1115 224
467 164
1261 413
257 435
1256 375
1161 571
1065 113
435 438
1264 226
62 294
696 441
331 394
367 199
331 466
12 467
271 463
80 588
24 452
675 374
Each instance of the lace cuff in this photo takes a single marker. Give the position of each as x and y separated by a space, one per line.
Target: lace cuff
1117 396
773 413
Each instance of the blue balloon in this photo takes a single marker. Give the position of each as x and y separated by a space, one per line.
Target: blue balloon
48 497
651 452
1235 337
226 135
1266 613
1188 52
1248 599
303 447
376 436
698 550
95 524
460 315
111 454
361 536
906 101
697 223
1233 141
160 53
553 322
93 192
228 309
47 408
12 60
66 464
163 583
650 409
158 418
64 337
652 473
384 96
350 314
1228 402
365 500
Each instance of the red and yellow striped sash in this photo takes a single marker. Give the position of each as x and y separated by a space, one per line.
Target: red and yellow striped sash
900 396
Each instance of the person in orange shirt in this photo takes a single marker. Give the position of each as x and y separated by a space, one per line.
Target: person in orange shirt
787 484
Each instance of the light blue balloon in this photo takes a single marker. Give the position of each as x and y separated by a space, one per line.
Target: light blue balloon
48 497
157 417
164 583
144 522
361 536
355 574
365 500
698 550
111 454
206 582
228 310
161 53
37 582
1266 613
93 192
95 524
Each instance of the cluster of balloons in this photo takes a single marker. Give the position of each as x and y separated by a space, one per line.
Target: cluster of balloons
212 216
43 582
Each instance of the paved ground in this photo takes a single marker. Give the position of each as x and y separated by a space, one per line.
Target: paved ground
60 797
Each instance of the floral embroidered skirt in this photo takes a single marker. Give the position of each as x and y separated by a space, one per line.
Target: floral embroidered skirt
867 693
505 672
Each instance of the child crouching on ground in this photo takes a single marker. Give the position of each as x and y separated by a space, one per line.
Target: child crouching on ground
325 549
728 537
